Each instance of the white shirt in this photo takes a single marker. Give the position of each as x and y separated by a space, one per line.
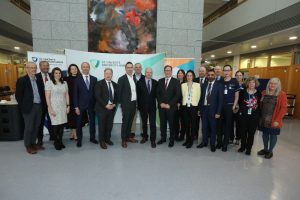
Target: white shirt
206 93
112 89
132 87
44 75
86 76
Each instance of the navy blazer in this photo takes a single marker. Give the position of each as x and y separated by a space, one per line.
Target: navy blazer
146 101
84 98
24 93
217 94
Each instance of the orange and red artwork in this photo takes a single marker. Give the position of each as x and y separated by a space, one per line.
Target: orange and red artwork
122 26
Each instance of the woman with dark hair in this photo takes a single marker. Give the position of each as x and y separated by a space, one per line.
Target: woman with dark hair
190 99
73 72
179 121
57 98
249 112
273 109
236 134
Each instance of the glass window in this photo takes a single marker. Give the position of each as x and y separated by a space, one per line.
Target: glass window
284 59
261 61
297 58
245 63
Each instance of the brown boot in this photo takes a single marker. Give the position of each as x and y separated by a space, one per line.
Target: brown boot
30 150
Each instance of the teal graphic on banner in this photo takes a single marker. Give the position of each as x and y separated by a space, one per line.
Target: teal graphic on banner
95 63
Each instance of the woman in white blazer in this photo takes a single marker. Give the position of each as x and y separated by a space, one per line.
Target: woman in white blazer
191 93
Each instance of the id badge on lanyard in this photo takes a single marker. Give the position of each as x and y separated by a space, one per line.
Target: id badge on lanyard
225 90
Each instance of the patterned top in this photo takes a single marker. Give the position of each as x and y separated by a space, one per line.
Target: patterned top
267 109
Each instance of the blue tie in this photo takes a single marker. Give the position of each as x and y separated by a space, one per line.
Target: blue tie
87 83
110 95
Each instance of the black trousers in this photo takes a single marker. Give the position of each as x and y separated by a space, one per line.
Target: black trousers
128 112
236 127
167 117
179 123
226 120
40 135
151 115
79 118
190 118
249 124
105 124
197 125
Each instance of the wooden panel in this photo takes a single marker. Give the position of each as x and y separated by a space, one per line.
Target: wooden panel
8 75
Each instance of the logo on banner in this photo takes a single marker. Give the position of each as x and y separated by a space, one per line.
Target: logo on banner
95 63
34 59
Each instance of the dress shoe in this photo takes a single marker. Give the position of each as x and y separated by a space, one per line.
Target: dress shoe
93 141
212 148
144 140
242 149
78 144
124 144
132 140
161 141
57 145
39 147
62 145
269 155
189 145
109 142
219 146
262 152
201 145
171 144
30 150
224 148
248 152
153 144
103 145
185 143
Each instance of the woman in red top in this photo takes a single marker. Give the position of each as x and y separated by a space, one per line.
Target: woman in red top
273 109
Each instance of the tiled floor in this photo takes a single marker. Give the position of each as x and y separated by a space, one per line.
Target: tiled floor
143 173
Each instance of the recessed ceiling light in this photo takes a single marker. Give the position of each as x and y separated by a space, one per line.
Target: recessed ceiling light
16 48
253 46
229 52
212 56
293 38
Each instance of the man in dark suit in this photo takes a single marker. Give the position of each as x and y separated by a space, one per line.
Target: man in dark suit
28 94
168 94
127 98
106 100
84 101
210 107
42 78
218 73
201 80
146 96
137 76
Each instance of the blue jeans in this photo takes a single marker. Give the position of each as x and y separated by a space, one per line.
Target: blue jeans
269 141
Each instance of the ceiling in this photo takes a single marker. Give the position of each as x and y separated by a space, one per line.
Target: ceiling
8 44
212 5
270 41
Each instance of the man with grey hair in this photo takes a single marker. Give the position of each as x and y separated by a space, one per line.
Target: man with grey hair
137 75
28 95
146 100
106 99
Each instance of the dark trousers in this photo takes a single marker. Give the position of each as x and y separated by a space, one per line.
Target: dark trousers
235 133
167 117
197 125
128 112
226 118
190 116
209 126
105 124
152 121
40 135
249 124
58 131
179 123
32 121
91 116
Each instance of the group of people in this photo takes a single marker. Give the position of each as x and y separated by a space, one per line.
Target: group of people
219 103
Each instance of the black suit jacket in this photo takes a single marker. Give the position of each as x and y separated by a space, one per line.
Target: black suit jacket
146 101
102 95
124 90
39 78
197 80
24 93
83 98
217 93
171 95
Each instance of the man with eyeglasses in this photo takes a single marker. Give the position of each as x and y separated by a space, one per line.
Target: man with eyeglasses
28 95
168 94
